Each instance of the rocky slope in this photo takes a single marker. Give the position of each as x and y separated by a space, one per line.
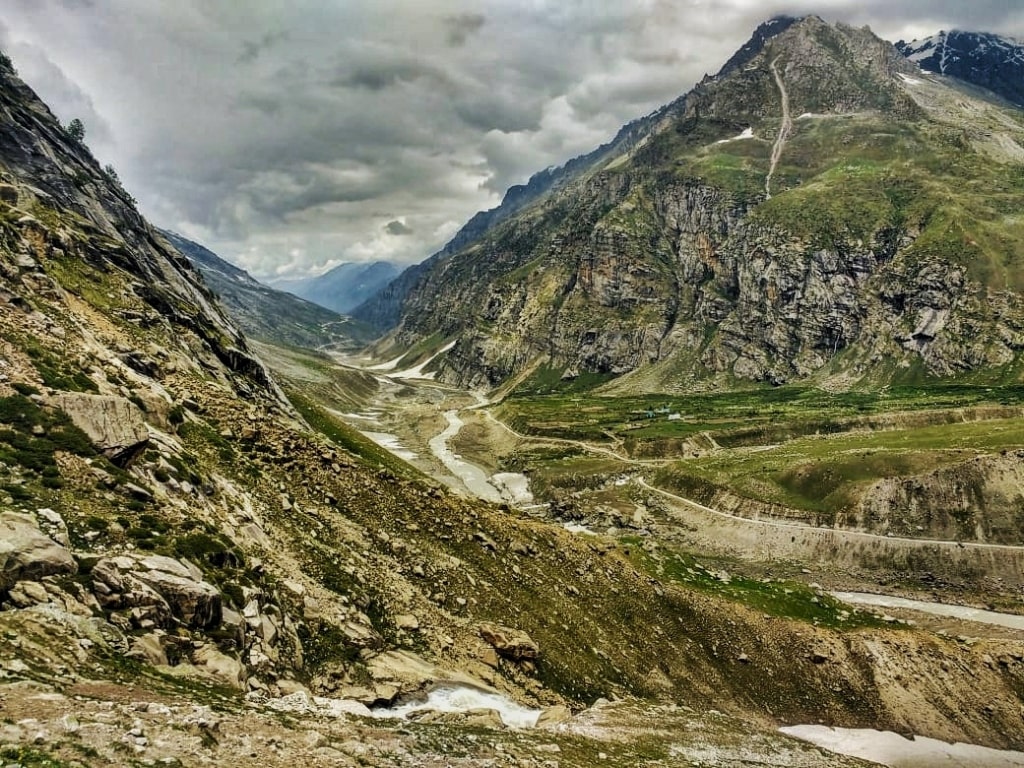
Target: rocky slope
818 208
177 542
265 313
981 58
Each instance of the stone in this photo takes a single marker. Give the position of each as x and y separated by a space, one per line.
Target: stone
26 554
553 716
149 649
27 593
220 665
55 526
114 424
513 644
407 621
195 603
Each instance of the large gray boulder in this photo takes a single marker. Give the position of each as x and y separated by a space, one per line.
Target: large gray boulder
165 587
114 425
195 603
26 554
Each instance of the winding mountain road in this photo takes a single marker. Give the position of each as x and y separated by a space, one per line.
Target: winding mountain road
848 534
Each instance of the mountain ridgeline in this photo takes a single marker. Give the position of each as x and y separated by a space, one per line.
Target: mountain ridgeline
344 287
268 314
990 61
819 209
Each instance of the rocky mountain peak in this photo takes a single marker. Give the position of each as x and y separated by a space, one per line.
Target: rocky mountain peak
784 212
825 68
992 61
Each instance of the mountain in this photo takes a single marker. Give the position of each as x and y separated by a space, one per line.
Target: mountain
981 58
818 209
200 563
344 287
383 309
266 313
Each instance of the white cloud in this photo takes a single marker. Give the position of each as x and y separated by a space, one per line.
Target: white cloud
288 136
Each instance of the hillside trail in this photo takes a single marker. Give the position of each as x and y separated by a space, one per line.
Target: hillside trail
848 534
784 130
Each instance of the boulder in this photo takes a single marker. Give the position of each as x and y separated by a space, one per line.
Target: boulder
513 644
149 649
553 716
220 665
26 554
195 603
114 425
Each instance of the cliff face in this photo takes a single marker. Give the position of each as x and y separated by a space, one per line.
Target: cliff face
819 207
61 207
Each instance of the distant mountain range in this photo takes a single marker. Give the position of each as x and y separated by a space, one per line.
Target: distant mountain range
267 313
345 287
981 58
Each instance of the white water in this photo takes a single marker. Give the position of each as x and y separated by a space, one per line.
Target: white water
895 751
463 699
514 488
391 443
938 609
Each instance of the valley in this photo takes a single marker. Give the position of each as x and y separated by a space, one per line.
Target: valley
705 448
635 468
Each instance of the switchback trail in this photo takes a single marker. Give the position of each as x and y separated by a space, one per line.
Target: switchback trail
784 130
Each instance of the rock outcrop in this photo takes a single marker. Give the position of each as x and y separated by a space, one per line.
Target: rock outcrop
115 425
512 644
157 590
26 554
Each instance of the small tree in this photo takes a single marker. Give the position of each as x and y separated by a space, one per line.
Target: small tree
76 130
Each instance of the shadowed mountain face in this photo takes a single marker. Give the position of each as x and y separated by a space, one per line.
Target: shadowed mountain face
265 313
980 58
345 287
819 209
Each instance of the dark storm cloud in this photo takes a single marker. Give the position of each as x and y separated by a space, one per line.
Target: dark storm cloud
397 227
285 136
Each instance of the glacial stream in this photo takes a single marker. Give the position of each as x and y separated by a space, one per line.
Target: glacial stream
465 699
472 476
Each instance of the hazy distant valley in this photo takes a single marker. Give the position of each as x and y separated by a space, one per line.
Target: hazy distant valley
695 446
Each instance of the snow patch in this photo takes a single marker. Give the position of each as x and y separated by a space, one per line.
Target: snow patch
391 443
748 133
417 372
908 79
895 751
388 366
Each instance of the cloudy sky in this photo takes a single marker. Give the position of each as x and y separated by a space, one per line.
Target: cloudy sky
290 135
